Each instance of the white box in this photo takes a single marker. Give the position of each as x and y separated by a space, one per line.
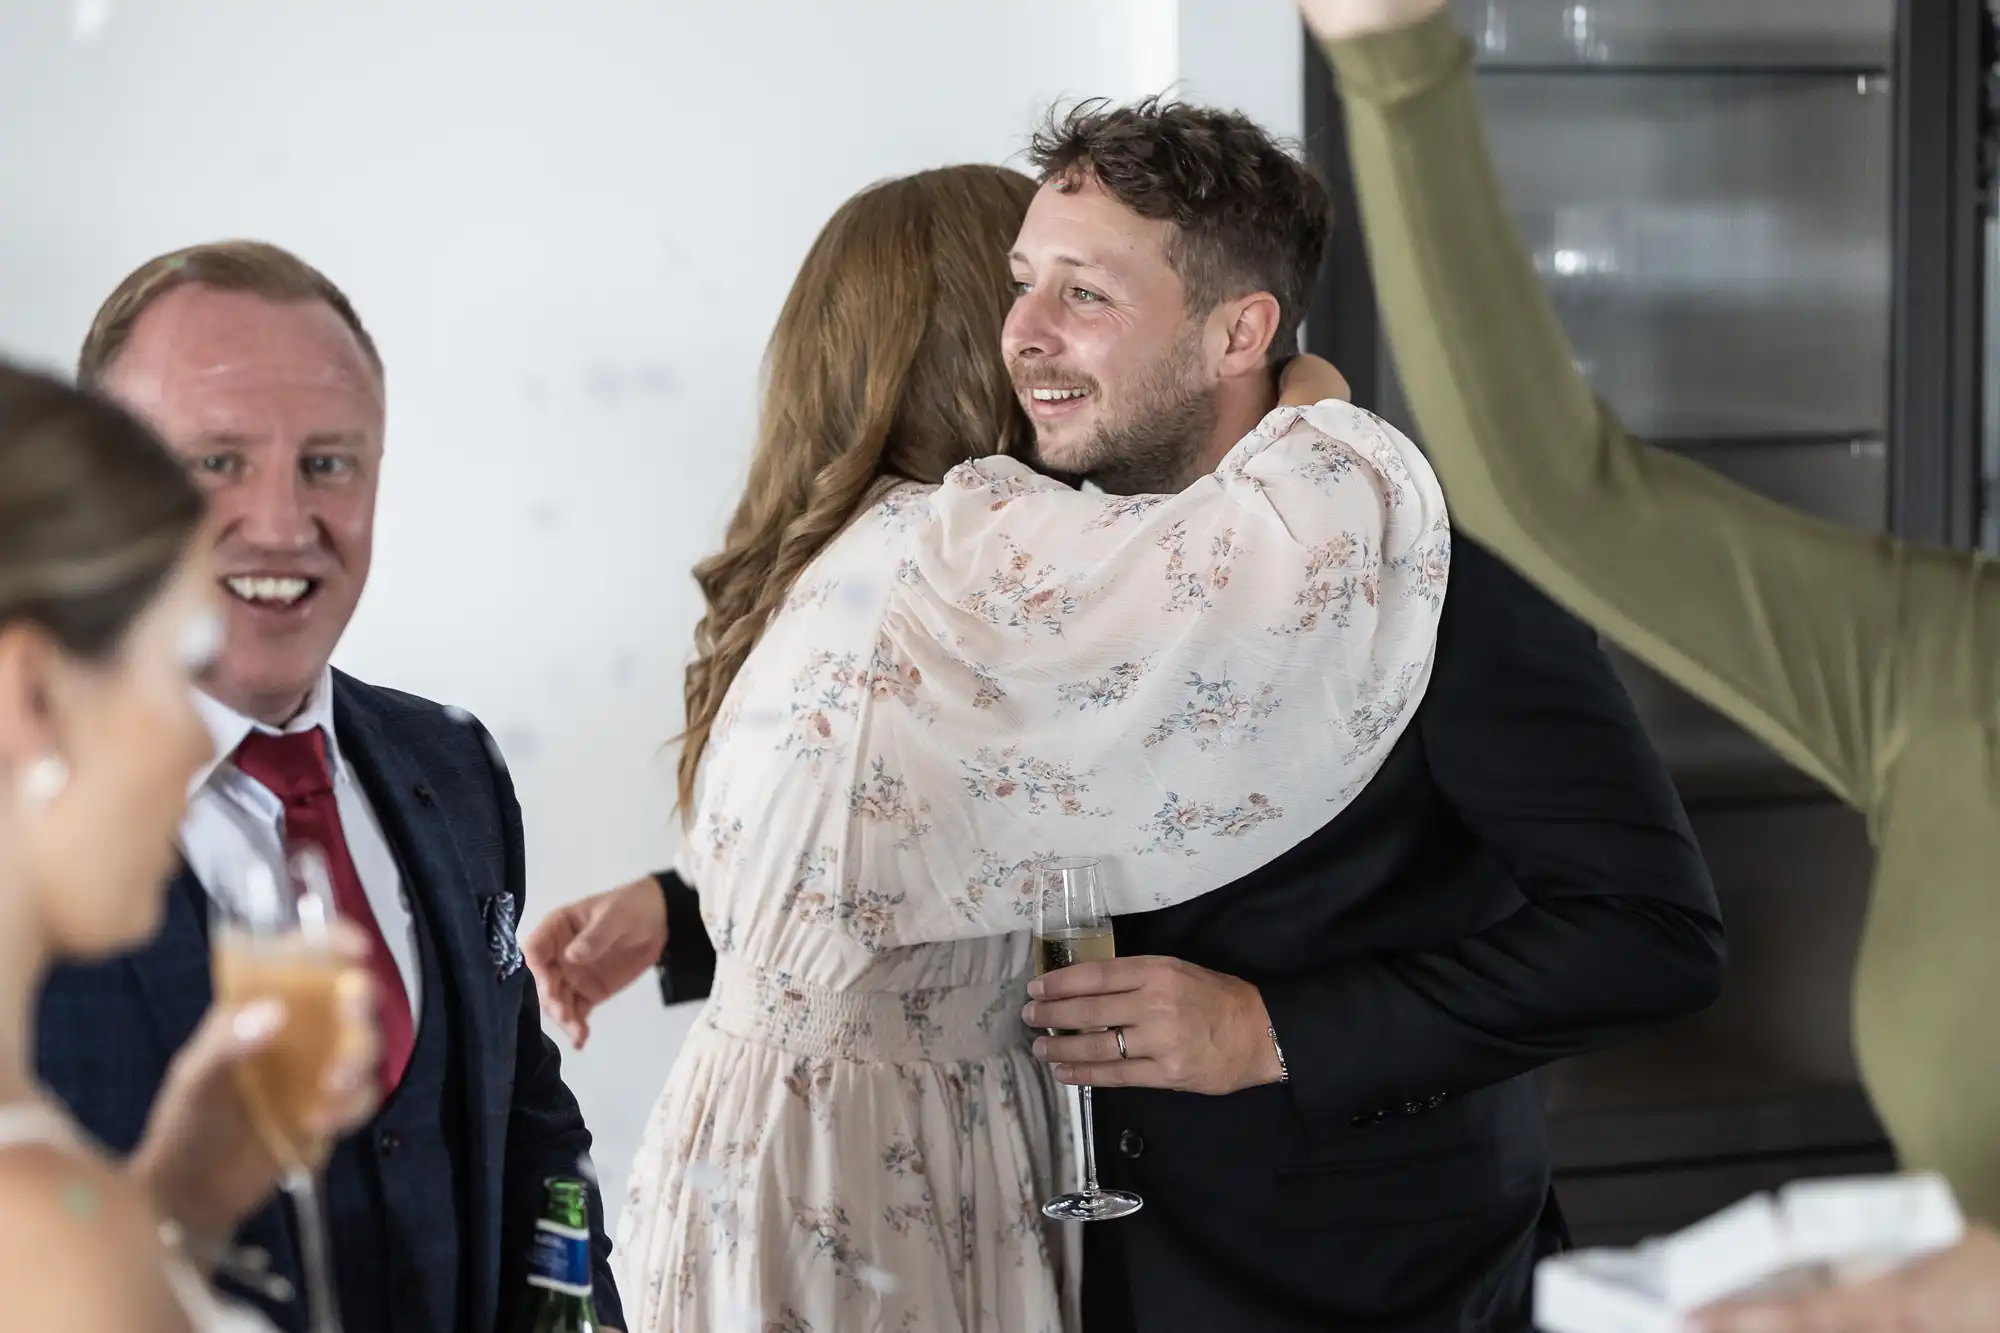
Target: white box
1811 1233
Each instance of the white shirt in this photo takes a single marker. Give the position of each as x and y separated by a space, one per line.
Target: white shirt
232 818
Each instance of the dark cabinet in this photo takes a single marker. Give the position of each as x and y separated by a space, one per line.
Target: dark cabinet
1766 229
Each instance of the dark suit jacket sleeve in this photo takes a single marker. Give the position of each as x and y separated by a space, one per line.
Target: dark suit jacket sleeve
1532 740
687 968
545 1131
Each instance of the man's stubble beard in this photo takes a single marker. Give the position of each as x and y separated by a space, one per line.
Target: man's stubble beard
1155 448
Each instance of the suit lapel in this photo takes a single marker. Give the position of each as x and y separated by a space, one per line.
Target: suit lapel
172 970
404 797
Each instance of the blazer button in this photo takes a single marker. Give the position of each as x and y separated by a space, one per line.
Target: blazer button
388 1141
1413 1108
1437 1100
1131 1144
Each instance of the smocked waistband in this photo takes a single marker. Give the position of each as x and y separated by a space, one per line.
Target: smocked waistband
939 1024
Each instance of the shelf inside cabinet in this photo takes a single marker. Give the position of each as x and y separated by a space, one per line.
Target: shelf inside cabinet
1861 440
1671 70
1713 36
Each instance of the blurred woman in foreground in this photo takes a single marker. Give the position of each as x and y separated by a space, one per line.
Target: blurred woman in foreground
105 621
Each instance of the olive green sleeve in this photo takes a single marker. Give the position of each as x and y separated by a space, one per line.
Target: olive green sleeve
1794 627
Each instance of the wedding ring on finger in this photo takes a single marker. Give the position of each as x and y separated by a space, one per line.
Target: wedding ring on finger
1119 1033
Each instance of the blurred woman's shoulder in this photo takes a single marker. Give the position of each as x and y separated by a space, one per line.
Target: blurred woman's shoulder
80 1245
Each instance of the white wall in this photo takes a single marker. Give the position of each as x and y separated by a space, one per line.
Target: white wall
1248 55
569 226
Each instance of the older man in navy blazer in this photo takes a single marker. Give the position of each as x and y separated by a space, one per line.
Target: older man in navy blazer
258 373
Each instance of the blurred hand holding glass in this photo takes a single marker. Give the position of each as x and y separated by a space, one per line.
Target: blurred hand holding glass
280 944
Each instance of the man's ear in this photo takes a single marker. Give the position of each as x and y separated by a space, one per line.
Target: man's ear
1250 324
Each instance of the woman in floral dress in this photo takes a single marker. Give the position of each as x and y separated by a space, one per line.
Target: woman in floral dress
925 667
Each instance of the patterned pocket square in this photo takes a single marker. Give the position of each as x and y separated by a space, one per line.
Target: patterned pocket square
500 941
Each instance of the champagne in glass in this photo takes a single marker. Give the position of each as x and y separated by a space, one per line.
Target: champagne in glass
1084 944
280 1084
1070 928
274 944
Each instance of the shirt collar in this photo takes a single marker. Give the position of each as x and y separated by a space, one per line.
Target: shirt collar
227 728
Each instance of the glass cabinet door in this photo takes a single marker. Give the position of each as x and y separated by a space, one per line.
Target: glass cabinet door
1706 187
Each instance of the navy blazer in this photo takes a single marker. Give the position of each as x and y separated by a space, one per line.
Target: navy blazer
107 1031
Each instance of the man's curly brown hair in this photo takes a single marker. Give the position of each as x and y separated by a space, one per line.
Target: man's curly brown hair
1247 216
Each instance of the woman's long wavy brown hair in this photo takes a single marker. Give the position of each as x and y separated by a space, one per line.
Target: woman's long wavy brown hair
885 363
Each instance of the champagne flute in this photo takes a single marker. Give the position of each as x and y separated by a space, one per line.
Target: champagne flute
274 944
1070 927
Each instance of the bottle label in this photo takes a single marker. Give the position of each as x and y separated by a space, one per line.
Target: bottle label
561 1261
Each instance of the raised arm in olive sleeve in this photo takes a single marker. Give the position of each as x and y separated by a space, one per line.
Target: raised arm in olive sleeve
1816 638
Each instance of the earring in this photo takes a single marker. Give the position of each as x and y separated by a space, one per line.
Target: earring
44 781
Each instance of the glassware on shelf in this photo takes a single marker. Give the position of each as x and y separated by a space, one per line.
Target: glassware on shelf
1580 29
1654 34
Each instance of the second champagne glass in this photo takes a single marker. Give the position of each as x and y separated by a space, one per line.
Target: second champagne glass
1070 927
274 942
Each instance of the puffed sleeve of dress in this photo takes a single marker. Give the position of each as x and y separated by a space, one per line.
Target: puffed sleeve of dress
1184 686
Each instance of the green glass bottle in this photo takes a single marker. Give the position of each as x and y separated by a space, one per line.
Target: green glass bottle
558 1298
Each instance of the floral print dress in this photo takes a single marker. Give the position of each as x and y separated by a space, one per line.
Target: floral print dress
972 678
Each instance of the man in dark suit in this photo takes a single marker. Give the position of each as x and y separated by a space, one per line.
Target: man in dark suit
1517 885
257 372
1319 1077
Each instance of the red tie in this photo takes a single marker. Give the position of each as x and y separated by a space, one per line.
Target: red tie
293 768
